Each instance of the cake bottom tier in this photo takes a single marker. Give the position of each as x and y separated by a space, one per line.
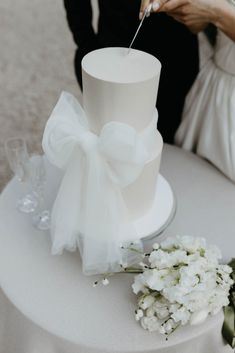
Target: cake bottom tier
156 219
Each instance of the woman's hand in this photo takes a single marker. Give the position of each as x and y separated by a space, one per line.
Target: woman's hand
195 14
156 5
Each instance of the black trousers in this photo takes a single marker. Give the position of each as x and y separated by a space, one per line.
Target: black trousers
171 42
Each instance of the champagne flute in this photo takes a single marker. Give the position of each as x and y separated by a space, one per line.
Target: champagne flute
18 159
41 215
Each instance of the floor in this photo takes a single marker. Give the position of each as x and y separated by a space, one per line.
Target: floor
36 64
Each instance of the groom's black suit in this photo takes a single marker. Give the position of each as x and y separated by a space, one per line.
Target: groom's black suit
171 42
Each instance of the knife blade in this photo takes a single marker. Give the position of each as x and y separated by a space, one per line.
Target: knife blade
146 14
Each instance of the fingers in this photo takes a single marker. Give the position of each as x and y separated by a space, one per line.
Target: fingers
194 23
171 5
157 4
143 6
160 5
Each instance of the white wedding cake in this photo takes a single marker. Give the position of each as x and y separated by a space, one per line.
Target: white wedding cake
110 151
123 87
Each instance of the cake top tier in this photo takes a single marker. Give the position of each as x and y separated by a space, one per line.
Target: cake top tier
117 65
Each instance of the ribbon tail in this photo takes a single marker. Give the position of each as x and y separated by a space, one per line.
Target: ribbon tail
66 211
106 221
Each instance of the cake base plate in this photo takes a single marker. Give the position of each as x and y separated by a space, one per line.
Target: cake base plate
160 215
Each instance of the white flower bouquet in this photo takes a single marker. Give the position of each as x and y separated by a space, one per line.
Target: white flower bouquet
181 282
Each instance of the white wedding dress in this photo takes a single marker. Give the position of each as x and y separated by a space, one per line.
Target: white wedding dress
208 120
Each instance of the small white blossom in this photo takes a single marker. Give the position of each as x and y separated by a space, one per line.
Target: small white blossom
191 244
150 323
162 313
146 302
105 281
169 325
169 244
139 314
139 284
142 264
181 314
225 268
156 246
162 330
150 311
123 264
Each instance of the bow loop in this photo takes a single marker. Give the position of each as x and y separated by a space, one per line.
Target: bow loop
63 130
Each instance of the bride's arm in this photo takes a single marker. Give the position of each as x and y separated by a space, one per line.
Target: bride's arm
197 14
225 20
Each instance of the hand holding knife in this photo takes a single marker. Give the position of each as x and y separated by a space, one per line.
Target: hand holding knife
147 13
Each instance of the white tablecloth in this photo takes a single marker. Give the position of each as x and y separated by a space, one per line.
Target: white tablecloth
49 306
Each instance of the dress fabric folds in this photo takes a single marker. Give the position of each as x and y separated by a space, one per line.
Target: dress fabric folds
208 120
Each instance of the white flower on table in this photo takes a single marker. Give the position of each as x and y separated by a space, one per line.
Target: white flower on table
146 302
139 314
191 244
181 315
150 323
182 283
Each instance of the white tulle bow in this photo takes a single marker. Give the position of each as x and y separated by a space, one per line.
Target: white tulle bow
89 211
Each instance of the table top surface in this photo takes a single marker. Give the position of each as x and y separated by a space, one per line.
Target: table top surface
53 292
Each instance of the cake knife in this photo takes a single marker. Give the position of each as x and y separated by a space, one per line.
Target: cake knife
147 12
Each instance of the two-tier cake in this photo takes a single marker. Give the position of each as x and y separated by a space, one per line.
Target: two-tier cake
110 149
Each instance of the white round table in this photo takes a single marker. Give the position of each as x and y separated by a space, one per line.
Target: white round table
61 310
